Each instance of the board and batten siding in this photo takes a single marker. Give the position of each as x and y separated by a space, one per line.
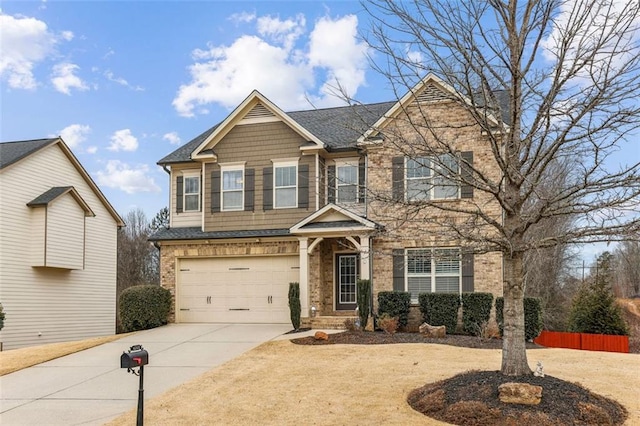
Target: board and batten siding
46 305
257 145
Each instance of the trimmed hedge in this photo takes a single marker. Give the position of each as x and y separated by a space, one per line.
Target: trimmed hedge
1 317
532 317
440 309
143 307
364 302
294 305
395 304
476 309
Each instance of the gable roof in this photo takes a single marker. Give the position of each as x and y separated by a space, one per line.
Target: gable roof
18 150
56 192
331 218
12 152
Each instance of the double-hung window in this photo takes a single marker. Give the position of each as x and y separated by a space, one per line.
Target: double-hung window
431 178
432 271
347 182
191 193
232 188
285 185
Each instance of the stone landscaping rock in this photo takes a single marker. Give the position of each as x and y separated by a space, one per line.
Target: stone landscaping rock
520 393
433 331
321 335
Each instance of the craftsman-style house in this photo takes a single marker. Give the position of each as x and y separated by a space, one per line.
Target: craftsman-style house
266 198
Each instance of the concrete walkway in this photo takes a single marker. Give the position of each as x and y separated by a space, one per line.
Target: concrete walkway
90 388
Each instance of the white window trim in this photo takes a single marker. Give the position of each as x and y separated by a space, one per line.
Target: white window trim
433 274
429 179
281 164
229 167
351 162
190 175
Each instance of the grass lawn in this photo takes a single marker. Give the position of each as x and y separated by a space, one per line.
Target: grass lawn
280 383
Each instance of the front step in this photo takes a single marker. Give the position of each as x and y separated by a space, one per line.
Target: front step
326 322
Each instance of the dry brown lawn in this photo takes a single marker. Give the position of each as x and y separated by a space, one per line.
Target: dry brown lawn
280 383
17 359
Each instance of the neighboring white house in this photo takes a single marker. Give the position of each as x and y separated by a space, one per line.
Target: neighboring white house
58 236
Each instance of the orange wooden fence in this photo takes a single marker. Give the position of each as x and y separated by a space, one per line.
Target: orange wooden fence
584 341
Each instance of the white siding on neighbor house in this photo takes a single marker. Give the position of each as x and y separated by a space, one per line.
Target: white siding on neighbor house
65 233
45 305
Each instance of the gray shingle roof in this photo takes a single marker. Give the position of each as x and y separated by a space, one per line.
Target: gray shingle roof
49 196
12 152
195 233
183 154
331 225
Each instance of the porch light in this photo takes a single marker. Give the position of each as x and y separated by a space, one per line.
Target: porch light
313 312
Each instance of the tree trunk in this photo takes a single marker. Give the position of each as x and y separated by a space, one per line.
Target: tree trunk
514 350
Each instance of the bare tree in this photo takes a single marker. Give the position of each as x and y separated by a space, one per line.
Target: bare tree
553 85
627 269
135 253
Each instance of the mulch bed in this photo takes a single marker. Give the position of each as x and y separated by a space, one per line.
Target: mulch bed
472 398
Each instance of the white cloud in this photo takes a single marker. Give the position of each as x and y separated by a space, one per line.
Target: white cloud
64 78
172 137
243 17
92 149
67 35
75 134
123 140
121 81
275 63
25 43
130 179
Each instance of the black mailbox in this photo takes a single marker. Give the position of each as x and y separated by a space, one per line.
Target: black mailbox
137 357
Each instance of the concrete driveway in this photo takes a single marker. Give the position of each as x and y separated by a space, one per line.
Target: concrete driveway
90 388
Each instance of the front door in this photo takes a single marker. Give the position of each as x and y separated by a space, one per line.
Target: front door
346 277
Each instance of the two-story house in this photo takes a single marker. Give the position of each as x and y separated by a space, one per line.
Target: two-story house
266 198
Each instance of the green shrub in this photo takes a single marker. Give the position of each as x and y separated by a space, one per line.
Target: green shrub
532 316
594 310
294 305
395 304
143 307
388 323
364 302
440 309
476 309
2 316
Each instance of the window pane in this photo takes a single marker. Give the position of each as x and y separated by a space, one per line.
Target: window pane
286 176
347 175
191 185
418 285
347 193
231 179
419 262
286 197
418 189
444 188
191 202
447 284
447 261
232 200
418 167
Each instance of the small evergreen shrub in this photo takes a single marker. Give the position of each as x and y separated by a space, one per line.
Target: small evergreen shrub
395 304
364 302
388 323
440 309
143 307
532 317
2 316
476 309
294 305
594 310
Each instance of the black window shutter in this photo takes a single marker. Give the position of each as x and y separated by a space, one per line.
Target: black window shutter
466 191
249 189
179 194
201 186
467 273
398 270
397 176
331 184
215 191
362 190
267 188
303 186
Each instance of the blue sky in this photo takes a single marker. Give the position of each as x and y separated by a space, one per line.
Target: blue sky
125 83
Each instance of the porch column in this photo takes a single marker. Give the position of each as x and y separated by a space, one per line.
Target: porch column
304 277
364 257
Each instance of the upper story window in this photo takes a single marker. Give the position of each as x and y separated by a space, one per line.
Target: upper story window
432 270
347 183
232 188
191 193
285 185
431 178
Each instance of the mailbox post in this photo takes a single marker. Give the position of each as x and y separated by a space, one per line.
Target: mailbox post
136 357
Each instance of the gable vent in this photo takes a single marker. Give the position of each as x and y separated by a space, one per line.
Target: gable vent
431 94
258 112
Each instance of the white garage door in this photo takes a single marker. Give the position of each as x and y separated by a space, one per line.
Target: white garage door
241 290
